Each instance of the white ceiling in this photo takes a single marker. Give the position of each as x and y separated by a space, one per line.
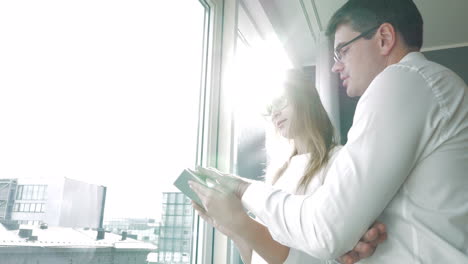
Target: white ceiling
298 23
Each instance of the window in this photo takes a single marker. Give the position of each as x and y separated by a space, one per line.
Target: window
187 222
19 192
172 198
35 192
178 221
170 220
255 60
187 211
117 94
42 192
31 192
27 192
179 210
181 199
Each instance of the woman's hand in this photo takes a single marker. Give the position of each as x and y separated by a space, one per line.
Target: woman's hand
221 208
228 182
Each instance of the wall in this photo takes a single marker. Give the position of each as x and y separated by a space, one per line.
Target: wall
69 203
52 203
81 204
455 59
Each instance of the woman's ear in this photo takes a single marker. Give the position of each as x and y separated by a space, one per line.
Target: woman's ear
387 38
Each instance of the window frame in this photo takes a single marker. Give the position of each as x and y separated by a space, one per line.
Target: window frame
217 138
222 126
216 124
204 249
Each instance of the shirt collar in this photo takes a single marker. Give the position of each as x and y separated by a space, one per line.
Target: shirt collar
414 55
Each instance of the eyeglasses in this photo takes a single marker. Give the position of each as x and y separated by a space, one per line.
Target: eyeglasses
338 55
277 105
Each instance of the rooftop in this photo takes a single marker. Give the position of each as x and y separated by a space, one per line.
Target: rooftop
64 237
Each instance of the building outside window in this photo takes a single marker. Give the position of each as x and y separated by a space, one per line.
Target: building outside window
174 239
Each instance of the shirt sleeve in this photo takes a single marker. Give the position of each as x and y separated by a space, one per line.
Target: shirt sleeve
391 126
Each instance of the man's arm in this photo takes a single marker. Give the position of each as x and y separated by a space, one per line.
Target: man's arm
226 215
388 136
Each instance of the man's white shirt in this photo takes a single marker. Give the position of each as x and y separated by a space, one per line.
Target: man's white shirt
288 182
405 164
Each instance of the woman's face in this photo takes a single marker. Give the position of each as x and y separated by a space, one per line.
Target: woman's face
282 116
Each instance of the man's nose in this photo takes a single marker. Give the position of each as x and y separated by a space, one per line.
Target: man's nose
337 67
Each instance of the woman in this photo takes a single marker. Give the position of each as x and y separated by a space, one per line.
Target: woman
298 115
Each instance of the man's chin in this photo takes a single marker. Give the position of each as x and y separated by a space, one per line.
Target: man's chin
350 94
351 91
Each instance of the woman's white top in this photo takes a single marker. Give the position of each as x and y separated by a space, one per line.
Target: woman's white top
288 182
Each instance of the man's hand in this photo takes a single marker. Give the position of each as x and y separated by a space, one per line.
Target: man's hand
367 245
229 182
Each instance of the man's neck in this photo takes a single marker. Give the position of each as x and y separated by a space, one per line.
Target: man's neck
398 53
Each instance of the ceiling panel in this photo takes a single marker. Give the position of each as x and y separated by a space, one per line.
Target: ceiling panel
445 24
326 10
290 23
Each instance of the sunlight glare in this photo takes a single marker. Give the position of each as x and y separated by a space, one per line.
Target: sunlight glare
257 76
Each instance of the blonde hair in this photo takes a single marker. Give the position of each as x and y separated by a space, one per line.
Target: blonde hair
310 122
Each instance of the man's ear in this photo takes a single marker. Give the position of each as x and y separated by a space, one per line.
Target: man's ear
387 38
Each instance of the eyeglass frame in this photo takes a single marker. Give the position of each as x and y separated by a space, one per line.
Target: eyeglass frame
276 107
336 53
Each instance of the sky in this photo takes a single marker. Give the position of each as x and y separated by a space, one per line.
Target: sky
104 92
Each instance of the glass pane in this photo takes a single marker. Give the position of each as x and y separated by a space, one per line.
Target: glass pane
44 196
41 195
259 72
259 66
103 97
19 193
35 192
27 192
33 208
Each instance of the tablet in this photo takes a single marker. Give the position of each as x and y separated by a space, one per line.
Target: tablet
182 184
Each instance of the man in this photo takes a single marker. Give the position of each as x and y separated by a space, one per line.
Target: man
406 159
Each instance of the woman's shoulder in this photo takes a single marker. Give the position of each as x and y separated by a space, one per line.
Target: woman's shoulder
331 157
334 151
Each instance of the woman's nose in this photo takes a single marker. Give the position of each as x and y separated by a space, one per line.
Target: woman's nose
275 114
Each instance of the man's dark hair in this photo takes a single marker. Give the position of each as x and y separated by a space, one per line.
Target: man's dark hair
362 15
